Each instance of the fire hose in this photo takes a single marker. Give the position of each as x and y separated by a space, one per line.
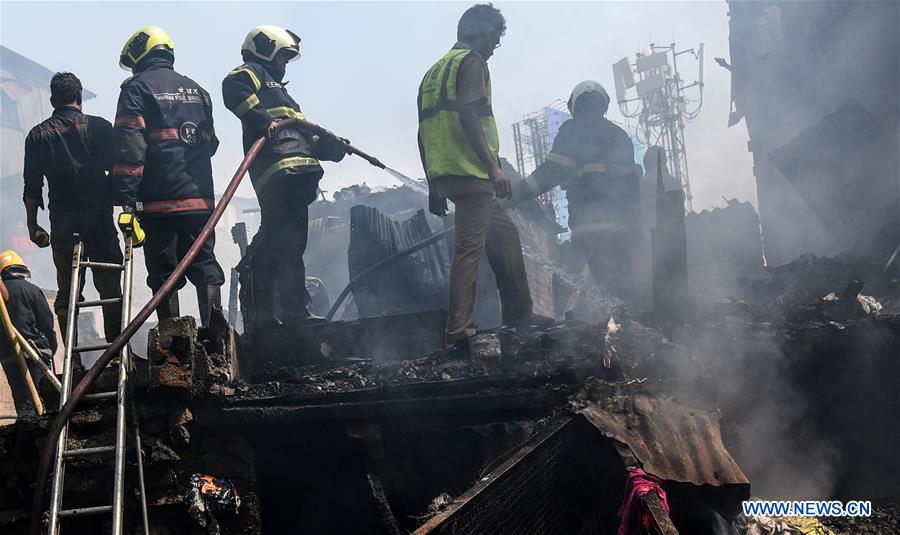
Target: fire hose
168 286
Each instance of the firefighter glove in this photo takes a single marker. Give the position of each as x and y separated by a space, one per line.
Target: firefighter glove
131 228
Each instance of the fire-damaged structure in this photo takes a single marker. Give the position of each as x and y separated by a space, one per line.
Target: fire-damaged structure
346 432
366 445
824 143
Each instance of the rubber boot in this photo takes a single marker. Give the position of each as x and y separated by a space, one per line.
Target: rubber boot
168 308
264 317
295 298
209 299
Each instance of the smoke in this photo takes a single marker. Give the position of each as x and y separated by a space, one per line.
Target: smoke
766 419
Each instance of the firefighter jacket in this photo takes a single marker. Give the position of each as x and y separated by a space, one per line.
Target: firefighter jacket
594 163
257 98
164 141
447 151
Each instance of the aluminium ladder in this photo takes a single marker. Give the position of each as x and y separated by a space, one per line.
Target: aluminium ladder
122 395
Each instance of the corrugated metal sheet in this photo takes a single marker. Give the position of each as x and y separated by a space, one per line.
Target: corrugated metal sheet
32 74
675 436
414 284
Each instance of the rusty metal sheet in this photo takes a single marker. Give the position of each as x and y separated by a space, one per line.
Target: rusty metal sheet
674 436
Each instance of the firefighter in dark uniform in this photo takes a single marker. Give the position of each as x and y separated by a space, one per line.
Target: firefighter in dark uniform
164 140
593 160
285 175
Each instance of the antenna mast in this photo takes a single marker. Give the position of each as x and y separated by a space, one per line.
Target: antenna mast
663 103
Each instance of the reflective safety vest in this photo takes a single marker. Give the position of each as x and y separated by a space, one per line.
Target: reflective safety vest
447 150
257 99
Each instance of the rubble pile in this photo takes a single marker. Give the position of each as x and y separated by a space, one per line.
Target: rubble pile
337 427
792 290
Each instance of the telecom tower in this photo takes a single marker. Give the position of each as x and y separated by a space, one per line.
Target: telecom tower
664 103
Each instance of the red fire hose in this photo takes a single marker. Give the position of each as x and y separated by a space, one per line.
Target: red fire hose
82 387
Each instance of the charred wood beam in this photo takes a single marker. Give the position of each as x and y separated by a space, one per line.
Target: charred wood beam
661 523
449 387
463 408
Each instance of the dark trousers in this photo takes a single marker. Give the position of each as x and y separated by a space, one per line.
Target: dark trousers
608 254
168 240
482 224
106 281
278 247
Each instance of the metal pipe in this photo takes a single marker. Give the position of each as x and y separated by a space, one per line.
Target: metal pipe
121 392
145 519
31 352
59 437
387 261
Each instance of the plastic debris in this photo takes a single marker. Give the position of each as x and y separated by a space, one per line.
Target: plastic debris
609 350
207 495
869 304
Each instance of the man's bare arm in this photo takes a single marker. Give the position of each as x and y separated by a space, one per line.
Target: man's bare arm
38 235
471 125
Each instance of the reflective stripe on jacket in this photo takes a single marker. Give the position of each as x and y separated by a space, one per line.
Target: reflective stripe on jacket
257 99
447 150
181 205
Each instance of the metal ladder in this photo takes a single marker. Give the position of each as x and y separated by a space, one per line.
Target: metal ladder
122 395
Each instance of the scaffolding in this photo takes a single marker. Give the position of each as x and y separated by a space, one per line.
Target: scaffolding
533 136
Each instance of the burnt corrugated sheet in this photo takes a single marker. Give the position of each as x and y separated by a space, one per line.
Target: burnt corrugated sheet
412 284
674 439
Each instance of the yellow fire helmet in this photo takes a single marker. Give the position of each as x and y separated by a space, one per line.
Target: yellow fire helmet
141 43
265 42
10 258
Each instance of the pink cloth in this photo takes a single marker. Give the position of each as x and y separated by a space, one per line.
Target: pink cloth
631 514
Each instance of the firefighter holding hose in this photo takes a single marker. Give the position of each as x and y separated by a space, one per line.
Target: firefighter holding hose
285 175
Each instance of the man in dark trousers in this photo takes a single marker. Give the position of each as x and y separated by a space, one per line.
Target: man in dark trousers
593 159
165 140
285 175
459 147
73 151
31 316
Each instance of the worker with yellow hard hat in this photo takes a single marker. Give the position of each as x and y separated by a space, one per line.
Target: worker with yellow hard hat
30 314
162 173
